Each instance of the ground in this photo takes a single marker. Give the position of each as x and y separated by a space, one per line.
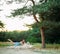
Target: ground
5 50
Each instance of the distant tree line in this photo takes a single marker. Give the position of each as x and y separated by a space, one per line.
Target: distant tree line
33 36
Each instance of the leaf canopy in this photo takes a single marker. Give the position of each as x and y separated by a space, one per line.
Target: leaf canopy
49 10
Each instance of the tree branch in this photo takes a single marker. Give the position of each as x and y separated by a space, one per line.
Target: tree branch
33 12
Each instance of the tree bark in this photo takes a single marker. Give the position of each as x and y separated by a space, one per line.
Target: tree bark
42 37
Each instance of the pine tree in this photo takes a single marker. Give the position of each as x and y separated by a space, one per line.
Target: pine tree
48 12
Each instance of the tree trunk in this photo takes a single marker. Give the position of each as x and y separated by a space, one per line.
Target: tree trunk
41 29
42 37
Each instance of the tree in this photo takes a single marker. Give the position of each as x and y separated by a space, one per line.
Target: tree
25 10
43 9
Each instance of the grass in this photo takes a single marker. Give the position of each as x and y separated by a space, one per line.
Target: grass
48 46
55 46
35 45
3 44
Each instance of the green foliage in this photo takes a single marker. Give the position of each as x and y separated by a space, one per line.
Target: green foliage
52 35
49 11
1 25
16 36
31 39
50 24
52 14
44 7
37 8
2 36
20 11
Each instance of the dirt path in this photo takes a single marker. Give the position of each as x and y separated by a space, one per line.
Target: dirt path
27 51
16 51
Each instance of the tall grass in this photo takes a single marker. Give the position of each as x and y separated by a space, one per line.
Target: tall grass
35 45
2 44
54 46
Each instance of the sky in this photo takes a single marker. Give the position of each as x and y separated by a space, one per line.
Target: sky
13 23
